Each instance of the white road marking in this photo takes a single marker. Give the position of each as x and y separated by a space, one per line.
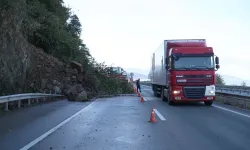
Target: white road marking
232 111
125 139
159 115
40 138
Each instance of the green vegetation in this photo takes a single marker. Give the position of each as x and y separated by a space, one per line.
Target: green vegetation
219 79
243 84
55 29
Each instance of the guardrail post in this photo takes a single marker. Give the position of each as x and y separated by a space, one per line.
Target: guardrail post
29 102
44 97
245 104
50 96
6 108
19 104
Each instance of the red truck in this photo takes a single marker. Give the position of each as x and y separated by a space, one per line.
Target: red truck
184 70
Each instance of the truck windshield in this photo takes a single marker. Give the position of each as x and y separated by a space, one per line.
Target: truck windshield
193 63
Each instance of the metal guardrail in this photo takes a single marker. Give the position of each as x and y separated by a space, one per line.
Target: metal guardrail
25 96
235 91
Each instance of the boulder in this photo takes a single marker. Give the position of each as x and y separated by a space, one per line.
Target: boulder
44 83
57 90
79 78
73 92
83 96
77 65
54 82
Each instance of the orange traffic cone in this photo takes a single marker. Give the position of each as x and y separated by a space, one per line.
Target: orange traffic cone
139 95
142 99
152 117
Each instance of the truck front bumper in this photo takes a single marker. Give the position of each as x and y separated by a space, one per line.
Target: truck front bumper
193 93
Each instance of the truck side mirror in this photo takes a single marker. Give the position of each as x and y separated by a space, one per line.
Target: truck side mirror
217 60
217 66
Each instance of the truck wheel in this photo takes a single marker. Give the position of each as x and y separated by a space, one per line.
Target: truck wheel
208 103
162 95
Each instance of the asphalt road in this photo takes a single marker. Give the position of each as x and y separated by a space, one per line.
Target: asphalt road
122 123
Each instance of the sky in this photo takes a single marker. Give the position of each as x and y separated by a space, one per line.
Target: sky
126 33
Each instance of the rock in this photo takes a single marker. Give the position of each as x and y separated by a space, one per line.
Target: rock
67 78
49 86
66 70
79 88
75 72
43 83
79 78
73 77
83 96
76 65
41 91
48 69
54 82
59 85
57 90
32 85
67 65
66 86
102 92
73 92
15 57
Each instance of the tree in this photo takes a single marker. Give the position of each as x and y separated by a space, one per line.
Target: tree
219 79
75 26
243 83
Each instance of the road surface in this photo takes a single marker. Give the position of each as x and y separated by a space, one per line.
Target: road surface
121 123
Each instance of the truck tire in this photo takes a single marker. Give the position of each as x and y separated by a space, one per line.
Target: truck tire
162 95
158 95
208 103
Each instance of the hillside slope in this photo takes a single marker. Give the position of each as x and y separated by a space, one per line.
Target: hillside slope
41 51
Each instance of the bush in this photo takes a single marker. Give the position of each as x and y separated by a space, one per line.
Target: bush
219 79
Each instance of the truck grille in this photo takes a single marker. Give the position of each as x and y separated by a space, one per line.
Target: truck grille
194 92
195 80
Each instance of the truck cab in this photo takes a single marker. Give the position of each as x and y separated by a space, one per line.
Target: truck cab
187 73
191 74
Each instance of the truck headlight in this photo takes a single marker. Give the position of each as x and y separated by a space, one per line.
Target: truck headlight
212 92
176 92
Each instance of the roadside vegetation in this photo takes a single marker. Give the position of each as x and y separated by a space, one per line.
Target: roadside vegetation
40 39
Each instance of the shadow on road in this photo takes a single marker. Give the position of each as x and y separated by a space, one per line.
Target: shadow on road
190 104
